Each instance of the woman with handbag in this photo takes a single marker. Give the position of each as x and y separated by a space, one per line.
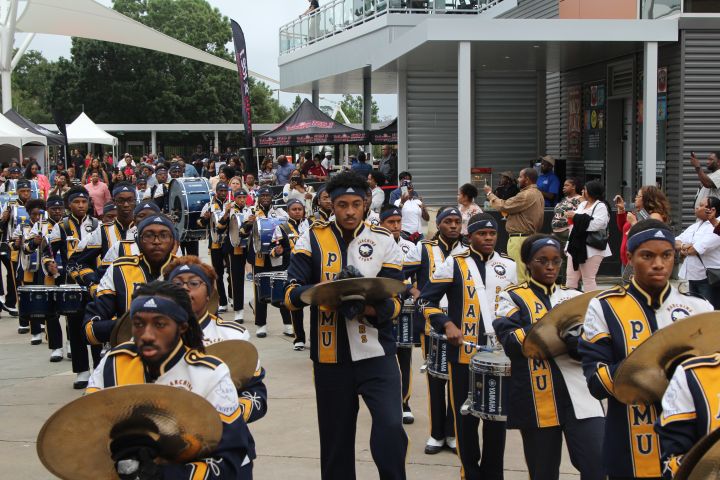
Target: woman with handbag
588 241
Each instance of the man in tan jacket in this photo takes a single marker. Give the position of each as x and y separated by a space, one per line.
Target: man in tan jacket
525 212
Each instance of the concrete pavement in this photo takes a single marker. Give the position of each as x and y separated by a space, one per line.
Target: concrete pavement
32 388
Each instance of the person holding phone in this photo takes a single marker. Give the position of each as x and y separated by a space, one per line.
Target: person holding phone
709 182
296 189
413 211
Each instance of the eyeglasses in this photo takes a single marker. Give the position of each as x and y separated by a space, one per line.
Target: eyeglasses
556 262
125 201
192 284
149 237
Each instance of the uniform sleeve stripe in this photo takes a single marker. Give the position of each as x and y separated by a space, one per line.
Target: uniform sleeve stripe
392 265
520 335
397 307
678 417
606 380
302 251
105 292
232 417
596 338
90 334
427 311
512 312
288 302
411 263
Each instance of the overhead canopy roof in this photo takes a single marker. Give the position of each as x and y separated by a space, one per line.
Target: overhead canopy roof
89 19
84 130
52 137
308 125
11 134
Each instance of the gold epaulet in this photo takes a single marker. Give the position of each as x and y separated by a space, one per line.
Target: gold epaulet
193 357
429 242
230 324
378 229
320 224
127 241
129 260
711 360
616 291
465 253
515 287
126 348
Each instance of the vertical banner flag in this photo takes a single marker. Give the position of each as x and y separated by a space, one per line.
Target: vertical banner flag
59 119
244 74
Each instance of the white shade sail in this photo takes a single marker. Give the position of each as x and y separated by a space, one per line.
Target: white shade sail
11 134
89 19
84 130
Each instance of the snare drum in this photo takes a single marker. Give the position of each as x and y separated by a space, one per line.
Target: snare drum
437 358
489 385
277 291
404 329
263 233
36 301
70 299
236 222
263 282
186 200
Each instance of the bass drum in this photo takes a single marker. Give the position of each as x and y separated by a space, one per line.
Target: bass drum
186 200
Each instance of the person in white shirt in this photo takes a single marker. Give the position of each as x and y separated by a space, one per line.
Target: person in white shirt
700 247
598 212
413 210
709 182
126 161
376 180
328 162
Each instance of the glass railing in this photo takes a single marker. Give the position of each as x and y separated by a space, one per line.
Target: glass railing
340 15
653 9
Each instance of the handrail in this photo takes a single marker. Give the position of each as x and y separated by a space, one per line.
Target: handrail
340 15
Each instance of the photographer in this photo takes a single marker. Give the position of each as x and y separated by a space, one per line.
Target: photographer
296 189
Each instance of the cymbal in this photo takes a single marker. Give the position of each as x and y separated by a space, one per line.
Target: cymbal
331 294
544 340
643 376
240 356
122 330
702 462
74 443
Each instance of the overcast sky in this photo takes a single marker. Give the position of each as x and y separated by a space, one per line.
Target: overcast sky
259 20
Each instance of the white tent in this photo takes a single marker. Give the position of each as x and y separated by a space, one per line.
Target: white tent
12 134
84 130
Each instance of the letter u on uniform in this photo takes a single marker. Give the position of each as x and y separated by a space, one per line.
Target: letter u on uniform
541 382
645 443
326 339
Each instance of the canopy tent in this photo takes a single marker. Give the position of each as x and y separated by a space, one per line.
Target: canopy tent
52 137
16 136
84 130
308 125
385 135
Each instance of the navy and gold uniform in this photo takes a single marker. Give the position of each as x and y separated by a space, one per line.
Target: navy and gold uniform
472 283
204 375
690 409
65 238
261 263
285 236
86 264
215 243
9 257
432 255
549 397
114 294
237 256
617 321
411 259
352 357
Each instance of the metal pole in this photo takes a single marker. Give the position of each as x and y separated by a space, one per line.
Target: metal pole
649 133
7 37
464 112
153 142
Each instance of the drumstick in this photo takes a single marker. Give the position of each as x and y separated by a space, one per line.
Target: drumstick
473 345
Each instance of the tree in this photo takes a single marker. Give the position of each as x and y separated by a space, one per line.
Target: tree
31 86
353 108
121 84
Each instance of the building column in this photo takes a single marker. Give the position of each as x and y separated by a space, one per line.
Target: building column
649 132
464 112
402 145
316 96
153 142
367 99
217 141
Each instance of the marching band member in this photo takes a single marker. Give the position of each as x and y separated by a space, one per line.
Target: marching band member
167 350
140 187
689 410
8 222
35 209
128 246
391 220
432 255
549 397
110 213
160 191
56 209
259 262
157 240
617 321
371 216
65 237
84 262
219 207
238 254
355 358
198 280
285 236
472 282
322 206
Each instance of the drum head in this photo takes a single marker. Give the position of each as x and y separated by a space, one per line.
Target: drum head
177 205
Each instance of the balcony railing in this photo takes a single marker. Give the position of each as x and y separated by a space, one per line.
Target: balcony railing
340 15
